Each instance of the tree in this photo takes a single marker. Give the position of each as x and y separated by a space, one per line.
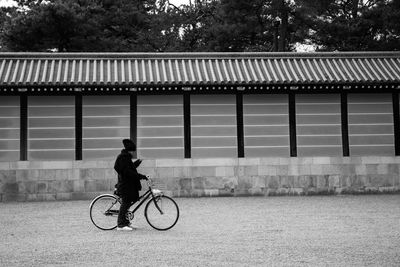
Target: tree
350 25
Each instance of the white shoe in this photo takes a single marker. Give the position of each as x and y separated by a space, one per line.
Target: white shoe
125 228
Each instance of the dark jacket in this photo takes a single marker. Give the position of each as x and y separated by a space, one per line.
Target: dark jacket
128 177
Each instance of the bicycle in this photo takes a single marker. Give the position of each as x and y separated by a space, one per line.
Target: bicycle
161 211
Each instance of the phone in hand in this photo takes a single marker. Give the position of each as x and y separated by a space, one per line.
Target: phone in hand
137 163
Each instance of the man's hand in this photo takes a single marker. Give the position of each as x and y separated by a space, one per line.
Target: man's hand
137 163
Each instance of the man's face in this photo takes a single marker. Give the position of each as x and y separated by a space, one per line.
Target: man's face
132 153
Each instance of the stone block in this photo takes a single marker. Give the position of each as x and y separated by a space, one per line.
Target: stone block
107 164
355 160
272 182
7 176
31 197
331 169
248 161
83 164
347 169
203 171
286 181
60 186
110 173
321 160
381 180
242 192
282 170
46 197
244 182
63 196
393 168
62 174
92 174
383 169
256 191
9 188
164 172
42 187
284 161
23 165
181 172
334 181
47 174
28 187
337 160
198 183
322 181
215 162
304 169
224 171
388 160
315 170
230 182
396 179
226 192
213 182
293 170
197 193
250 170
303 181
358 181
361 170
168 184
371 169
9 197
56 165
4 165
269 161
185 184
371 160
78 185
211 192
170 163
97 185
305 160
267 170
345 180
85 195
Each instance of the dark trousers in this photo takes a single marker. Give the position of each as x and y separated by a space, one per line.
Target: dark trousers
126 203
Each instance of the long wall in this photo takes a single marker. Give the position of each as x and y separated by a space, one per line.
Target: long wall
75 180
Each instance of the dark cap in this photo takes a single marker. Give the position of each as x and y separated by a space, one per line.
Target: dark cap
129 145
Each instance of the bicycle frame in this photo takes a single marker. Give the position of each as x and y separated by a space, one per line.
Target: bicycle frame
142 199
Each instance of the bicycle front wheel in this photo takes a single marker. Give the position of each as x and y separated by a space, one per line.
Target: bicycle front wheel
161 213
104 211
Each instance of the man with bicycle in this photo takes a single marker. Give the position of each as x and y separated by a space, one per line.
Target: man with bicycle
128 185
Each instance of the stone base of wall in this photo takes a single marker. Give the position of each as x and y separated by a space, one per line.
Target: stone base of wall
82 180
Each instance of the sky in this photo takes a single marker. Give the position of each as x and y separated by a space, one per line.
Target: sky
175 2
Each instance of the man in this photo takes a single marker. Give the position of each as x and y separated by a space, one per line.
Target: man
128 186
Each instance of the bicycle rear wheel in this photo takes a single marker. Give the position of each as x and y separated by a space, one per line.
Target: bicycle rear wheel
104 211
161 213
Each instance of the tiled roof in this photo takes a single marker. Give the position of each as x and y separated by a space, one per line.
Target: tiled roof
94 69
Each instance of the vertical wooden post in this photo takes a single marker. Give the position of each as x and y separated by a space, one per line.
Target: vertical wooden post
133 119
345 124
292 124
396 123
239 124
187 125
23 147
78 127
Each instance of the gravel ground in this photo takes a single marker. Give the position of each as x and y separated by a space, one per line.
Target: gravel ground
254 231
